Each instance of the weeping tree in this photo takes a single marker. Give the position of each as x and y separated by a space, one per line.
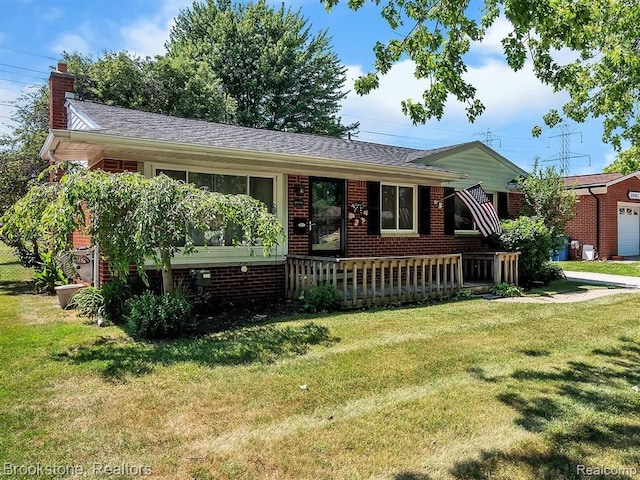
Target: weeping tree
136 219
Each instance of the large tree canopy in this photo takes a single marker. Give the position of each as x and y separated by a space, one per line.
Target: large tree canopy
603 80
281 76
20 163
176 86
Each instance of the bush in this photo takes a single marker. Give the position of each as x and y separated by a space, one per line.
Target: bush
532 238
549 272
116 293
89 302
320 298
506 290
158 316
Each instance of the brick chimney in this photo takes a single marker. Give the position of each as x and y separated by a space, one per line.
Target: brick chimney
60 83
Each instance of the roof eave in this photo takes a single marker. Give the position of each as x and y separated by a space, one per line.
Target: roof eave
467 146
96 138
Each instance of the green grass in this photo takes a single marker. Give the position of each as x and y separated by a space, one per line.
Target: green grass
562 286
631 269
465 390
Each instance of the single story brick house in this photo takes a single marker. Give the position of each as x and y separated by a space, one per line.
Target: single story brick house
607 215
391 208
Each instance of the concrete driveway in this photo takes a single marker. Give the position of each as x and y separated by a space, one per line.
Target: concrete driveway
604 279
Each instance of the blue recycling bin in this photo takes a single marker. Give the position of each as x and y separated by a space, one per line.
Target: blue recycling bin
561 255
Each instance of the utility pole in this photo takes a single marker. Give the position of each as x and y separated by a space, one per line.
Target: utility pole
565 155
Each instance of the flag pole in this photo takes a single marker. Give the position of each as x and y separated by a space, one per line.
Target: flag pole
454 193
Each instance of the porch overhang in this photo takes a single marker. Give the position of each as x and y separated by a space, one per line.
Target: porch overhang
91 146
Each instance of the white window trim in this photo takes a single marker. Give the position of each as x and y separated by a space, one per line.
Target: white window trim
230 255
474 232
397 232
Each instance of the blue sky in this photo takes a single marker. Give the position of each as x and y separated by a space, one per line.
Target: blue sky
33 33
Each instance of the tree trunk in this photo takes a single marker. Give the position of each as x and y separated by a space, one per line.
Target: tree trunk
167 273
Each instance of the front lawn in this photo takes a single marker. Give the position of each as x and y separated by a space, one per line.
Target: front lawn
465 390
631 269
562 286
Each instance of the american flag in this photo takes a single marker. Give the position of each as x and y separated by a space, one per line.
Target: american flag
481 209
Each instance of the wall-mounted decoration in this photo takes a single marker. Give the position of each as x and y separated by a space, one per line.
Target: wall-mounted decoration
358 214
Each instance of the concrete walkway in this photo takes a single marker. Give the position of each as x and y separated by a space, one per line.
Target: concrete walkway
604 279
621 284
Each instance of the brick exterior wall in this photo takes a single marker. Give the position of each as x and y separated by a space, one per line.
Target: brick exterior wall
230 284
515 204
583 226
361 244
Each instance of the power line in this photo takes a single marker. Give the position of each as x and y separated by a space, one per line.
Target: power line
22 74
22 52
17 81
23 68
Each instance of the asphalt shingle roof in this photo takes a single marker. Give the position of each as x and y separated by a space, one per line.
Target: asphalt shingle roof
124 122
586 180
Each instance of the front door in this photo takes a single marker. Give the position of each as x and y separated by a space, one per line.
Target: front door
327 222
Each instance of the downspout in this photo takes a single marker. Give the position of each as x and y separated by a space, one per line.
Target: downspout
597 221
55 160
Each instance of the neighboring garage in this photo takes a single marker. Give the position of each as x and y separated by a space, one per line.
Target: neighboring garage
607 215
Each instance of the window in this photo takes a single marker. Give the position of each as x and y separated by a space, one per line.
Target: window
463 219
398 208
260 188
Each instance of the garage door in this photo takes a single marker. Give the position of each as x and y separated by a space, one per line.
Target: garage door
628 231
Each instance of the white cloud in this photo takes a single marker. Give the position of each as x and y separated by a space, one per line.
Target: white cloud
506 94
52 14
146 36
71 42
492 42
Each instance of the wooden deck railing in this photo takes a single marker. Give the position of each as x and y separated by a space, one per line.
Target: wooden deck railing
495 267
377 280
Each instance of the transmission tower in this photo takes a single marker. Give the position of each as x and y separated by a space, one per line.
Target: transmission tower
489 138
565 155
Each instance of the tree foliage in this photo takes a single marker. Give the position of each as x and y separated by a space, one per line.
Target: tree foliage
626 162
20 162
280 75
602 78
171 86
546 198
134 219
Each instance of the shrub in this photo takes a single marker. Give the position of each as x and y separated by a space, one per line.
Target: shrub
48 275
89 302
549 272
532 238
506 290
158 316
320 298
116 293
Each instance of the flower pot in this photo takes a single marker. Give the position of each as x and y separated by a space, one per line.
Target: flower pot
66 292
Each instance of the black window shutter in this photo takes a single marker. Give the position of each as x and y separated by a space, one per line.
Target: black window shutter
373 203
449 211
503 205
424 210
